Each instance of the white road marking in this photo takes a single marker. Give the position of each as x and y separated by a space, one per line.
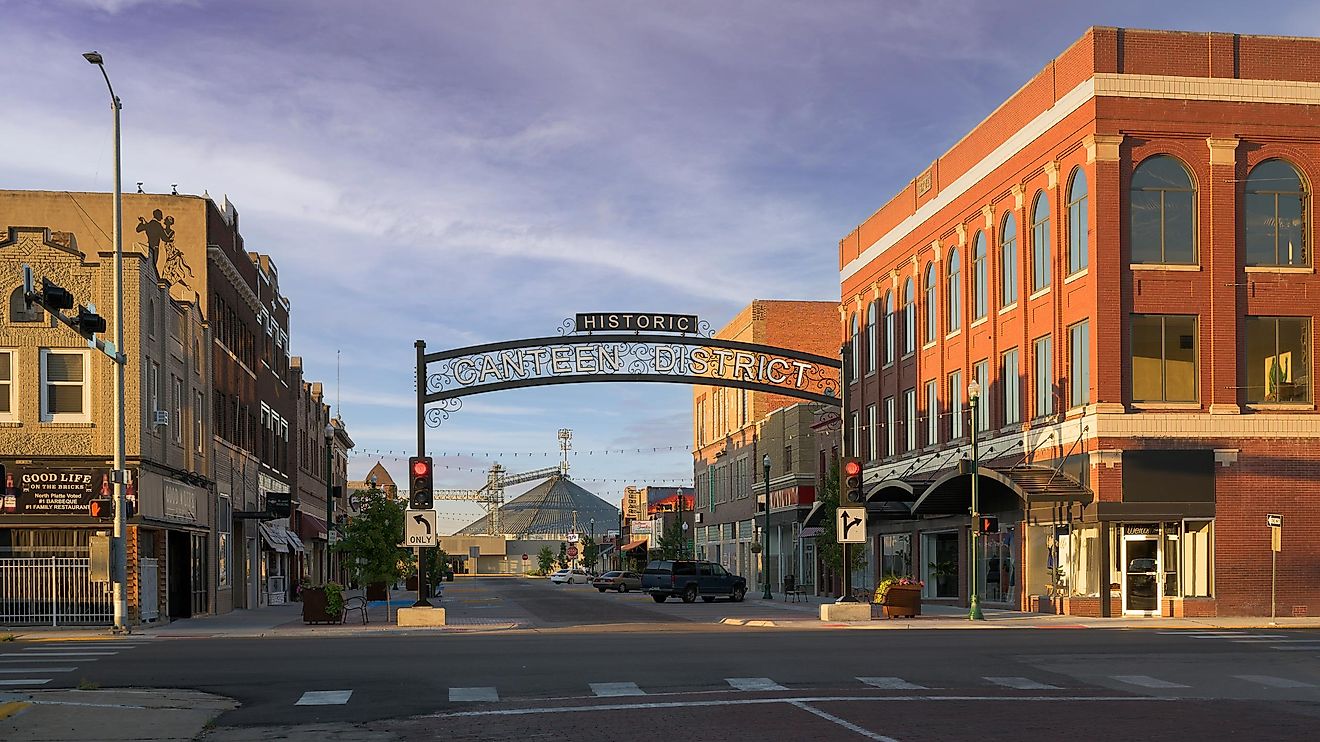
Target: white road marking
842 722
754 684
26 681
1274 682
1022 683
1288 648
616 689
457 695
61 654
324 698
1146 681
891 684
37 658
37 669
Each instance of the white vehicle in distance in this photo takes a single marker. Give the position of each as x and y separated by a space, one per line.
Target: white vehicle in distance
570 576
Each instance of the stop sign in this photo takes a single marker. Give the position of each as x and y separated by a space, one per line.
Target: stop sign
524 557
572 551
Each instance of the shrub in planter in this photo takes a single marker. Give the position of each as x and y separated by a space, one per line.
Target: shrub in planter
900 596
324 604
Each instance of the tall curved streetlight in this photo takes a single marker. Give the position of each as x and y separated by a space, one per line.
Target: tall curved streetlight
974 604
765 548
120 552
329 496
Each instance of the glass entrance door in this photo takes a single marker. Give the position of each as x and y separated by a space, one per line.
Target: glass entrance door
1141 574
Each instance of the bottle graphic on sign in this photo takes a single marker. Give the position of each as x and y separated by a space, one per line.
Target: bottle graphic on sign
11 495
105 485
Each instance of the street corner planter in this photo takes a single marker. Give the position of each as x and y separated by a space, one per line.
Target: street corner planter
902 601
377 591
314 606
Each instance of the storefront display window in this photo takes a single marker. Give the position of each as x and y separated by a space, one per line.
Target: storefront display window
1198 558
939 555
896 554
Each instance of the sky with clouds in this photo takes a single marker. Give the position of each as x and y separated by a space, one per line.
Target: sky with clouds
465 172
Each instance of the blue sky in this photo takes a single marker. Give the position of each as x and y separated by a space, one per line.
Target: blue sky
465 172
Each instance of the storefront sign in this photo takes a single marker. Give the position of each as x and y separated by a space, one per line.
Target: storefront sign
180 502
789 497
640 527
278 504
54 491
636 321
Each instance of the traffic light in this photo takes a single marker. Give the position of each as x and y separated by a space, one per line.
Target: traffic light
102 507
852 479
419 477
988 524
88 323
53 297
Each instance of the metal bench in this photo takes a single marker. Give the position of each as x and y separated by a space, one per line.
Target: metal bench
792 589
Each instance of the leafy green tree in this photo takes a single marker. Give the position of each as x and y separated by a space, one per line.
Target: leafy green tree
370 547
828 550
545 559
589 553
563 555
672 542
437 565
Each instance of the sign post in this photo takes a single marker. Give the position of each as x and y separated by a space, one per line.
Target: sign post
849 528
1275 522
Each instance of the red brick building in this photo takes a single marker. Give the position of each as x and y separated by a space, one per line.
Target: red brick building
1119 256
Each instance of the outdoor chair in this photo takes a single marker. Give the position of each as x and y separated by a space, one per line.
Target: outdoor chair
355 603
792 589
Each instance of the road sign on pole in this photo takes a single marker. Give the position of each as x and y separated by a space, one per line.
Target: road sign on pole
850 525
1275 522
572 552
419 528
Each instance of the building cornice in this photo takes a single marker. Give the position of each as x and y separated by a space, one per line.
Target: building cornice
234 277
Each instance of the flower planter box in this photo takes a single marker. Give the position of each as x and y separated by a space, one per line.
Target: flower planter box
377 591
902 601
314 607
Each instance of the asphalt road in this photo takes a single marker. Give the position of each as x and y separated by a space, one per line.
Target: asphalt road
662 674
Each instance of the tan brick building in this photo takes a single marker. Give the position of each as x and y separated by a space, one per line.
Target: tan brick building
1120 257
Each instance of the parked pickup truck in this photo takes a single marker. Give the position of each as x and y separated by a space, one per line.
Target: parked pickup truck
689 579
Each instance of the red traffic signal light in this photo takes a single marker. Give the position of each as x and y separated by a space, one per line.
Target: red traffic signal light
852 468
419 489
420 467
101 508
988 524
852 479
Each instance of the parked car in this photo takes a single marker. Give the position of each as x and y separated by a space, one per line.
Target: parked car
691 579
570 576
620 582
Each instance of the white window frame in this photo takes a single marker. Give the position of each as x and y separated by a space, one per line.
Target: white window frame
176 403
199 407
910 417
12 415
889 426
872 438
956 422
86 415
1012 380
932 412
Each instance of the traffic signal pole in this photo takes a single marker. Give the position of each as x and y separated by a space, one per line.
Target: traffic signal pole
422 602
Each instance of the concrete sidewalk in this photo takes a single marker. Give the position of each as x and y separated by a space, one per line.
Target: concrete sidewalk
110 715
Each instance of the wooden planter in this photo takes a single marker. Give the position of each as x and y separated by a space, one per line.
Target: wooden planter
377 591
902 601
314 606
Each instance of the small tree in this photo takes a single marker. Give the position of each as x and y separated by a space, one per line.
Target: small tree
828 550
545 559
370 546
589 553
563 555
672 541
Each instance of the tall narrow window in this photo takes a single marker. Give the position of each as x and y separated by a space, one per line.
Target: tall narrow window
955 405
7 406
954 299
198 406
1010 377
856 340
64 387
176 399
856 435
1008 261
872 434
979 277
1043 375
981 372
932 305
890 427
932 412
1276 218
1079 364
1077 223
910 418
1040 242
872 347
1278 360
1163 212
889 328
909 316
1163 358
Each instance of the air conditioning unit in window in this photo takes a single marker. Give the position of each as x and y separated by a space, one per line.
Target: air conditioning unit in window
161 417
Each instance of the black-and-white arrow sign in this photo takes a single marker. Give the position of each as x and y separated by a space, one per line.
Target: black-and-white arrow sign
419 528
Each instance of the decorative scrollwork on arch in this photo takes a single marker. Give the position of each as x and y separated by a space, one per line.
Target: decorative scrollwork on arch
567 327
440 411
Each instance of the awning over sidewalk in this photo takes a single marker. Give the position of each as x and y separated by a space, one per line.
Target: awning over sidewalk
311 527
274 539
634 544
295 543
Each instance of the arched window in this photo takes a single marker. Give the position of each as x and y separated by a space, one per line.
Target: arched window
1078 226
978 277
889 328
1276 218
1163 212
872 348
1008 261
855 338
932 305
1040 242
909 316
954 299
18 309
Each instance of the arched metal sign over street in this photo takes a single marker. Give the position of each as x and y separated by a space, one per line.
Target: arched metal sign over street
633 347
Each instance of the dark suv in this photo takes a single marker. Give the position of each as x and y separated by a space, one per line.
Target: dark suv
689 579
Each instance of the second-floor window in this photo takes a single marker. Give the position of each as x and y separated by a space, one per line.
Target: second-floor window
1010 377
1078 225
1079 364
1163 212
889 328
1278 360
1275 218
1043 375
932 412
954 300
872 347
1040 242
1008 262
909 316
64 386
932 305
979 281
1163 358
7 411
955 405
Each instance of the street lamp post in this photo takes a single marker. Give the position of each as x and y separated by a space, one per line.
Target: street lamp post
974 610
120 551
329 496
765 547
595 558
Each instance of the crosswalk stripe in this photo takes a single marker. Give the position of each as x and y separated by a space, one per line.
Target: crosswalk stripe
892 684
1146 681
616 689
754 684
1274 682
26 681
36 669
324 698
1021 683
473 694
28 660
60 654
1293 648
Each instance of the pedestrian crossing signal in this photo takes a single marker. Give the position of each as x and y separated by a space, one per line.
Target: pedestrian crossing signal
989 524
101 508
